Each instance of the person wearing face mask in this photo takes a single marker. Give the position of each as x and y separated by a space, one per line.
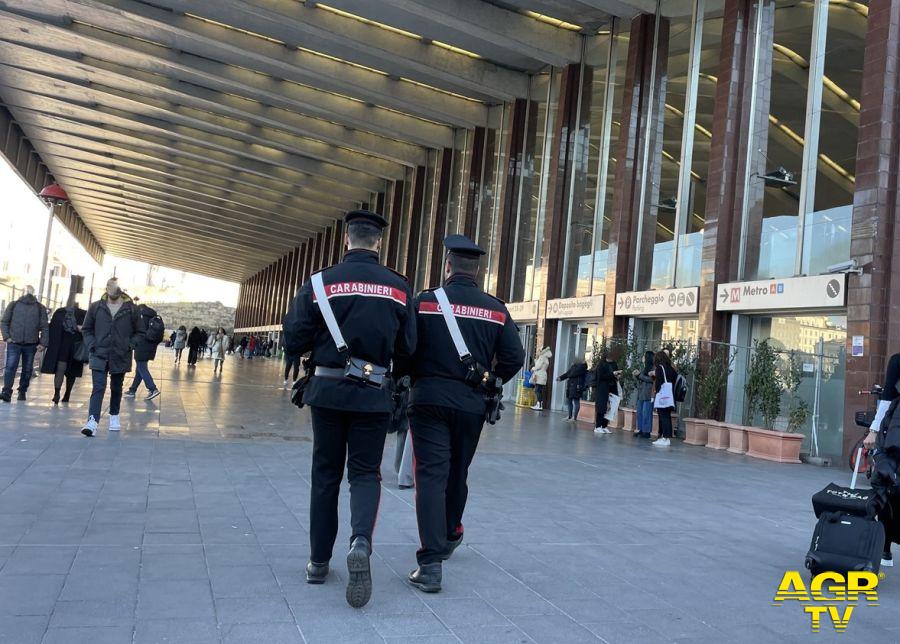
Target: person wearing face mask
110 330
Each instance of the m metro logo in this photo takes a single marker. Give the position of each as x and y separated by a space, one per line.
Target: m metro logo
830 596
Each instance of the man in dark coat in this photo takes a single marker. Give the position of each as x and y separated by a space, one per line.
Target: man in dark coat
372 307
193 342
109 330
23 326
144 353
60 358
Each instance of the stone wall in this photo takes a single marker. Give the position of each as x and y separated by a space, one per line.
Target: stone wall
206 315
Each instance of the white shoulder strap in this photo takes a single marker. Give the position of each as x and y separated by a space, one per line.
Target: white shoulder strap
452 326
325 307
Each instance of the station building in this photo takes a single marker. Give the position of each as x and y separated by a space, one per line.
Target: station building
679 170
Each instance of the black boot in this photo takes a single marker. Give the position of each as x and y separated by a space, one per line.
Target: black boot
70 382
22 395
359 588
5 396
316 572
427 577
56 396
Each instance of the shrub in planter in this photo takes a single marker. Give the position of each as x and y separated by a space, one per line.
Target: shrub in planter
712 375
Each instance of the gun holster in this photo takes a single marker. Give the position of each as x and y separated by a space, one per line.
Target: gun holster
300 384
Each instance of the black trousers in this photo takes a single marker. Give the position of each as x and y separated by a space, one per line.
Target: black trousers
192 355
357 438
665 421
600 406
444 443
291 363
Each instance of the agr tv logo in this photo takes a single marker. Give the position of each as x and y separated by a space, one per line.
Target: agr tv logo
831 595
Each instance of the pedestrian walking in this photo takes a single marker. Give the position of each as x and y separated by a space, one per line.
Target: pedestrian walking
539 376
194 342
150 332
251 347
467 343
24 327
606 382
179 342
664 378
356 318
62 357
291 364
217 351
109 330
403 451
644 412
574 378
243 346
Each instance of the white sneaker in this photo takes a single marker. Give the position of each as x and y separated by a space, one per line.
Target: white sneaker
90 427
537 407
887 563
287 384
601 430
114 425
661 442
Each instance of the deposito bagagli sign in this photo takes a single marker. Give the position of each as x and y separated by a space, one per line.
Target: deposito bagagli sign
587 307
813 292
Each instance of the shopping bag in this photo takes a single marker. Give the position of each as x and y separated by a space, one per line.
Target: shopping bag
612 407
665 397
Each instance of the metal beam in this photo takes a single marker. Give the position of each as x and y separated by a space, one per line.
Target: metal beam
346 38
220 77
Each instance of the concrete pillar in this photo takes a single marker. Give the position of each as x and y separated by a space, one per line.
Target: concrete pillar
875 235
509 196
631 152
415 222
445 171
394 223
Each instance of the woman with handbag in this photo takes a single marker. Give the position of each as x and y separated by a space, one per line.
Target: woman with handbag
62 357
539 376
664 376
574 377
606 384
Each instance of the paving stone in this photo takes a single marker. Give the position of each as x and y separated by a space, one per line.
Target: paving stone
253 610
29 594
22 629
89 635
175 600
278 633
176 631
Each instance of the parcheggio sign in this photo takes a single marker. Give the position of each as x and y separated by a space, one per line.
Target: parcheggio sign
663 302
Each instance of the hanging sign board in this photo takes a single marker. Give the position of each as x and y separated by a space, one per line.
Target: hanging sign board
579 308
662 303
794 293
523 311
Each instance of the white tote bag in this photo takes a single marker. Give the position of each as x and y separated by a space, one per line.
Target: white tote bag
612 407
664 397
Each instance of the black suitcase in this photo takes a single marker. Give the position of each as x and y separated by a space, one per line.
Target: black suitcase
836 498
843 542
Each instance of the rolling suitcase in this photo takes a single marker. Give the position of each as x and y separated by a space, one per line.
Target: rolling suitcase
847 537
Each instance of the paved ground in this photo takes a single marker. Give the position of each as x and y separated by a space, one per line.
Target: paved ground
191 526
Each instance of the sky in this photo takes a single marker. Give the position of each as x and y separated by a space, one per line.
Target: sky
23 229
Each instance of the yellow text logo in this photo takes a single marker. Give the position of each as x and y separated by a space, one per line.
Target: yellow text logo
830 596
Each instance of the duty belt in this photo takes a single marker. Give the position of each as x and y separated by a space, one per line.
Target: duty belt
330 372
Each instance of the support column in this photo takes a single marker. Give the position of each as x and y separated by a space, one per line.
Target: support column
473 187
394 223
435 272
875 235
509 196
415 223
558 201
732 122
634 155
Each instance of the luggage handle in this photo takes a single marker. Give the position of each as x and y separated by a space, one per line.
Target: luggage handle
856 468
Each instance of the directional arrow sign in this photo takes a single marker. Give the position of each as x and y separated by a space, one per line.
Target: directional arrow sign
724 295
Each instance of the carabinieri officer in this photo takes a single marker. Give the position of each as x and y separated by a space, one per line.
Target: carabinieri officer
447 407
349 393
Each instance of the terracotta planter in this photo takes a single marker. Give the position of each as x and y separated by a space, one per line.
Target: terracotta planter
717 435
737 439
695 431
628 418
781 447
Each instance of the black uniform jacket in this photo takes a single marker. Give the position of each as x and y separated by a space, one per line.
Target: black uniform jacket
491 336
374 309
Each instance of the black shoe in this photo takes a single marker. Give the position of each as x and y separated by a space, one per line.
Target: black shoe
359 588
5 397
21 396
55 396
452 544
405 487
316 572
65 398
427 577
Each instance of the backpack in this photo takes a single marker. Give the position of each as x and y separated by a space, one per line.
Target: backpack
156 329
680 389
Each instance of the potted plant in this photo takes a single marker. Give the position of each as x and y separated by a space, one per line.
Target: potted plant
712 375
630 360
766 382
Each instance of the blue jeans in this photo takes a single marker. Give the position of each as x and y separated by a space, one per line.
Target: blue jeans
645 416
142 373
99 391
15 353
574 405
